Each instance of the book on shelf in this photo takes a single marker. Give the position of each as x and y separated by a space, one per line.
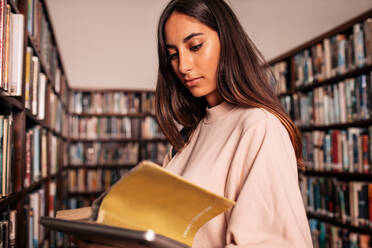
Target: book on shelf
11 50
16 54
8 227
335 55
147 198
345 202
324 234
6 155
345 150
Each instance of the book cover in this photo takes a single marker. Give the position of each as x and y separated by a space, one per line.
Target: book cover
16 54
152 198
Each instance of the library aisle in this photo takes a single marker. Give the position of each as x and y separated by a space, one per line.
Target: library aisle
62 147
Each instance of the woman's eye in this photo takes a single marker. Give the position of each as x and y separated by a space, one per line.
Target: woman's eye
196 47
172 56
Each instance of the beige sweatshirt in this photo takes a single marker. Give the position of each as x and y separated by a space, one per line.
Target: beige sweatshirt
246 155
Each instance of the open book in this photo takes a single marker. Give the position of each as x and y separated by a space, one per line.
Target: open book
148 204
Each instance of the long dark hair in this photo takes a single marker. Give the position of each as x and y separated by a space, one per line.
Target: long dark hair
243 75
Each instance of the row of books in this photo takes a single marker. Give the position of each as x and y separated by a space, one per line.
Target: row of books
151 129
281 83
103 153
347 202
11 50
346 150
6 155
335 55
35 85
88 180
33 209
104 127
57 115
327 235
40 33
155 152
8 227
347 101
43 154
36 155
105 102
114 127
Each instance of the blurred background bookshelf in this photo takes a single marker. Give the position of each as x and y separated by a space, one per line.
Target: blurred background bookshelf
325 85
111 131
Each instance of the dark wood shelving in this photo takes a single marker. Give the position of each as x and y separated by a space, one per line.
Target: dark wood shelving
14 6
359 123
345 176
333 80
86 193
7 200
12 102
100 166
288 93
32 119
336 222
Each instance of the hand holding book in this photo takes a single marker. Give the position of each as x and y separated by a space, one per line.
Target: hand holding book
149 205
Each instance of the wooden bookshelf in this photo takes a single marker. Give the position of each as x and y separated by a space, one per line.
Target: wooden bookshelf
305 88
336 222
361 123
345 176
24 120
99 106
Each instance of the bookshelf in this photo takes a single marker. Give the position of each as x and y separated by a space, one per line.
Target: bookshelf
325 85
32 123
111 131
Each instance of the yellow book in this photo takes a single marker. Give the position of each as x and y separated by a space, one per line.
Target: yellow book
150 198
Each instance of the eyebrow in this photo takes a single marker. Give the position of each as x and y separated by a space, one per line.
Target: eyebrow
187 38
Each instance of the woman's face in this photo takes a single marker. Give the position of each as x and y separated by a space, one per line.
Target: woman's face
194 53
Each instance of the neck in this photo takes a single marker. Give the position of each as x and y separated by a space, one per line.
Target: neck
213 99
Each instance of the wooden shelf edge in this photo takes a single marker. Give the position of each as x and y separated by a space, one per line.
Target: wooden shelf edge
7 200
86 193
333 221
357 123
335 79
11 101
348 176
14 6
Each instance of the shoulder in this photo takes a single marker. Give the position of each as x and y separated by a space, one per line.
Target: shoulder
256 118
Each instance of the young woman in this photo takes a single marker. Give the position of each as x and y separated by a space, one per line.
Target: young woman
237 141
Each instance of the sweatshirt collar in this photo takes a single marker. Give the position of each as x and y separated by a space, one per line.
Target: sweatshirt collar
217 112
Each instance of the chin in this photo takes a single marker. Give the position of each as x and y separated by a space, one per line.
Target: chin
198 93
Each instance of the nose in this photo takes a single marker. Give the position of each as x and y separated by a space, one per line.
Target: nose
184 62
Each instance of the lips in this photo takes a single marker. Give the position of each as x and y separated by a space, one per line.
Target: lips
192 82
